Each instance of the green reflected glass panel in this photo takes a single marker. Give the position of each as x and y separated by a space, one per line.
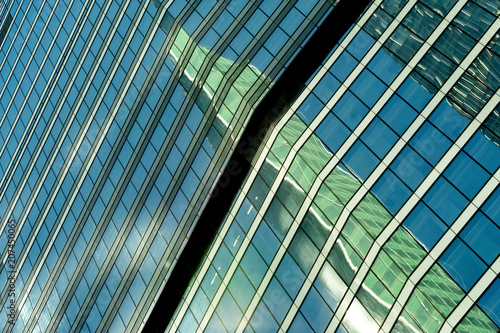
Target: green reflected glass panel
328 203
316 225
406 324
375 297
303 175
372 215
423 312
404 250
389 273
342 183
476 321
344 260
357 236
293 129
441 290
315 154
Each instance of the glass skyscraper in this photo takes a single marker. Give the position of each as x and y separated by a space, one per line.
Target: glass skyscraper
348 168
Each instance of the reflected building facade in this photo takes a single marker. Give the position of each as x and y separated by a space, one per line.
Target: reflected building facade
374 203
371 204
117 117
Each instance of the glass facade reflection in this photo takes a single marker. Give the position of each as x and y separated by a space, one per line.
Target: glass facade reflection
367 208
372 205
116 118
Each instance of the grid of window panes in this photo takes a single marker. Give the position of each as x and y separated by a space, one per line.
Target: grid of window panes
466 258
106 143
4 4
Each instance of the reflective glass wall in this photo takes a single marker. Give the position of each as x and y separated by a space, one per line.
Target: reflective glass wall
374 204
116 118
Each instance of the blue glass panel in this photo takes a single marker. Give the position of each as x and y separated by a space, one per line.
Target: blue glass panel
483 237
266 242
241 41
192 23
309 109
300 325
223 22
315 310
379 137
466 175
326 87
199 305
262 59
397 114
360 44
350 110
292 21
258 192
305 6
343 66
490 301
462 264
211 282
205 6
222 260
246 214
277 300
425 226
484 151
269 6
241 289
414 93
290 275
233 238
332 132
410 167
492 206
368 88
445 200
228 312
391 192
214 325
263 321
430 143
384 66
448 120
276 41
360 160
256 22
253 265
